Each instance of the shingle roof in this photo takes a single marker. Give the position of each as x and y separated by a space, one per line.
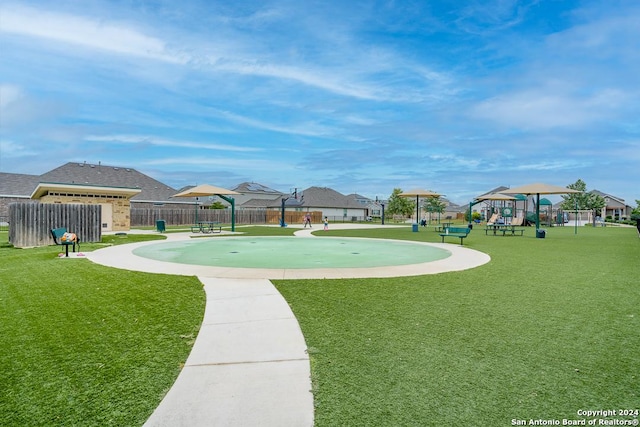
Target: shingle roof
260 203
495 190
323 197
254 187
613 200
17 185
113 176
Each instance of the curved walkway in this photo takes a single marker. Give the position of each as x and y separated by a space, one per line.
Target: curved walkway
249 366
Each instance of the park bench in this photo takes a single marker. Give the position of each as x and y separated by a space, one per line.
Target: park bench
460 232
207 227
66 239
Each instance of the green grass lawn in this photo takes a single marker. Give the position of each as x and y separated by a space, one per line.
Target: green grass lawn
88 345
548 327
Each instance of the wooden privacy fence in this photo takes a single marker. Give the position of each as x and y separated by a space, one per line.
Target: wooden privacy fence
145 217
141 217
31 223
292 217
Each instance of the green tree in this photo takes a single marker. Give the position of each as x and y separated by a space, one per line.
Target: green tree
584 200
217 205
435 204
635 213
399 205
575 200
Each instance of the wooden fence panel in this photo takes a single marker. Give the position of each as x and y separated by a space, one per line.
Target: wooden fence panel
30 224
292 217
145 217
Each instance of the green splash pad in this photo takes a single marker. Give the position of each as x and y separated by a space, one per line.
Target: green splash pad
292 252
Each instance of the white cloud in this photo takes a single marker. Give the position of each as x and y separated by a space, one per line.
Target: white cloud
306 129
162 142
88 32
9 94
11 149
549 108
347 72
223 163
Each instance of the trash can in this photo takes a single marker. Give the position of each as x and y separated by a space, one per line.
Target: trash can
415 227
160 225
540 234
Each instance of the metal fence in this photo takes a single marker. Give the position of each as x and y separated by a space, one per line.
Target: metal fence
4 223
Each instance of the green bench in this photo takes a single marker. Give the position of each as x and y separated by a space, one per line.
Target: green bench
63 238
460 232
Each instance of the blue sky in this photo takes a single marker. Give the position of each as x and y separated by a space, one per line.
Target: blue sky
457 97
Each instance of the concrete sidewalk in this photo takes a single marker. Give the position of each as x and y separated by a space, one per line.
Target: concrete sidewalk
248 367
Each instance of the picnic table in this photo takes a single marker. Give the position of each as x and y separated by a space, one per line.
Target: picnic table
505 229
207 227
443 226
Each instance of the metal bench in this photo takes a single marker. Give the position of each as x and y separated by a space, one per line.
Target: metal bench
459 232
66 239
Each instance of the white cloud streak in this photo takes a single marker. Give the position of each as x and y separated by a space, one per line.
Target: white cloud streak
162 142
82 31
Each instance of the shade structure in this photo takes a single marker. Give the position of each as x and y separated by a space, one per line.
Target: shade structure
204 190
417 193
538 189
496 196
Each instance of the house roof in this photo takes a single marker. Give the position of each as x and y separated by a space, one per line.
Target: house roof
258 203
17 185
495 190
613 200
358 196
109 176
323 197
254 187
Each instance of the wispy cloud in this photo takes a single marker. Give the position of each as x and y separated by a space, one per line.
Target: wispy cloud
10 149
83 31
162 142
304 129
545 108
225 163
354 78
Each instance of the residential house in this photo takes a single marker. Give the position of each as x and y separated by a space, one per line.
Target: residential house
615 207
259 195
332 204
116 189
15 187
